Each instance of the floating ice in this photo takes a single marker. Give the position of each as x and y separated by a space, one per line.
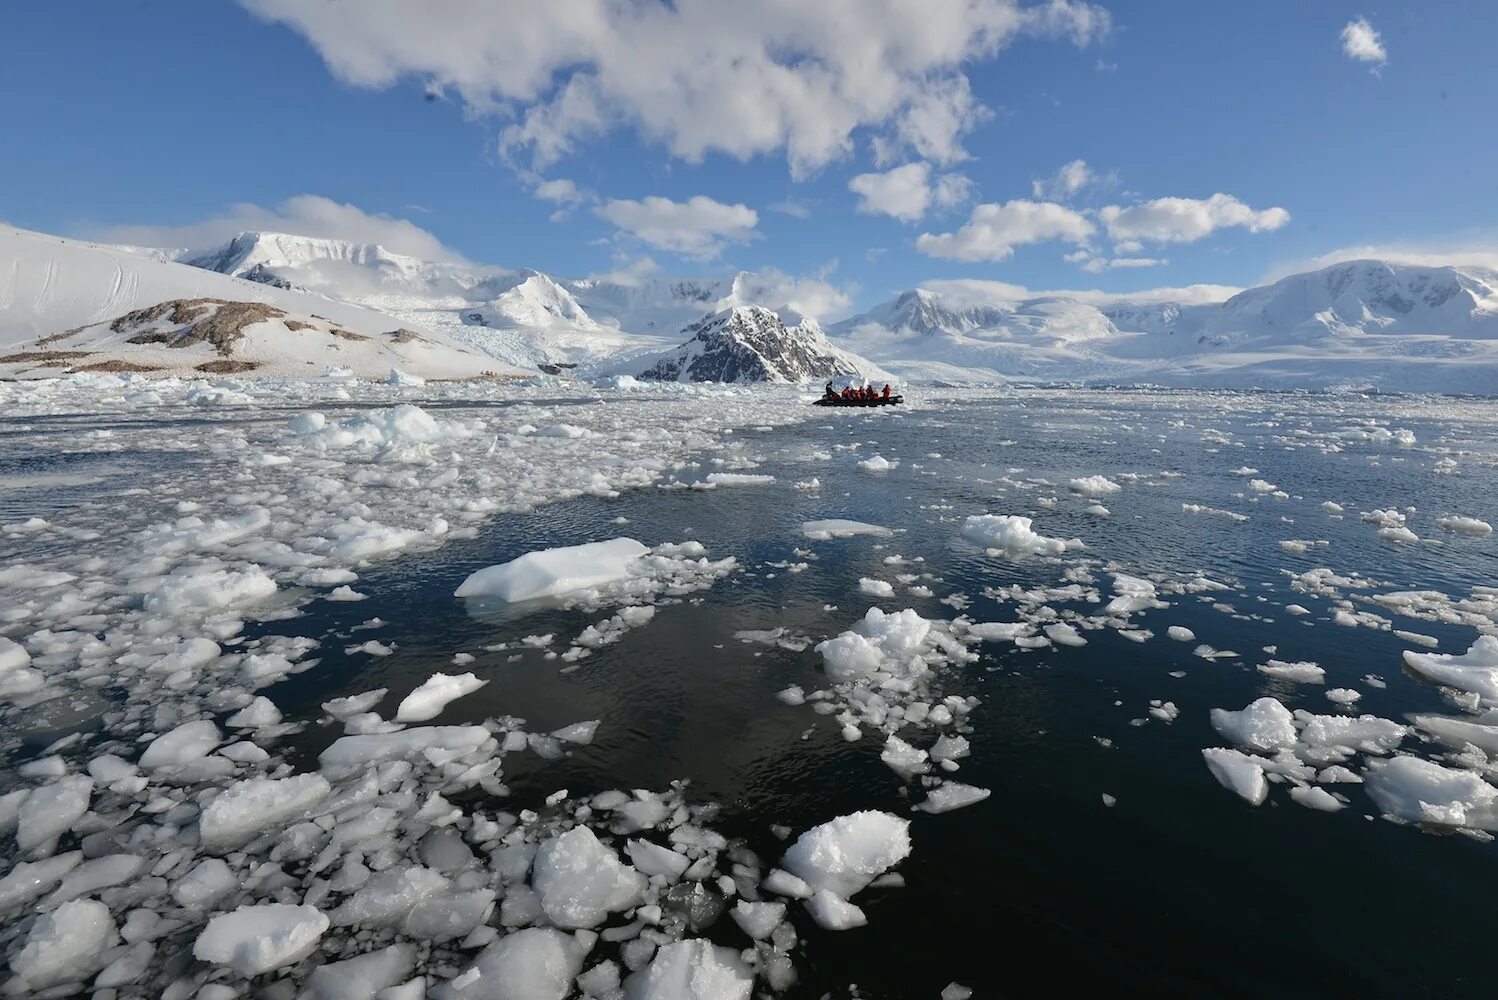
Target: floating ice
834 913
690 970
844 855
1461 525
877 463
1475 671
1238 772
878 588
64 946
951 795
252 806
551 572
1012 535
1093 486
256 939
1303 672
1264 725
580 881
428 700
830 528
1422 791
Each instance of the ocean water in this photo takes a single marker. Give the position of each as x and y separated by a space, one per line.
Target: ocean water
1179 887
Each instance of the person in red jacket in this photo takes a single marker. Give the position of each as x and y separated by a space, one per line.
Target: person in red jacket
847 392
886 391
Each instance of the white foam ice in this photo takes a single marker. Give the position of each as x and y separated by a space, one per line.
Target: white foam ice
1012 535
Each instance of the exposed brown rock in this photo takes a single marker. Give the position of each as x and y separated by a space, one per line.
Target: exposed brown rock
25 356
227 366
116 365
221 326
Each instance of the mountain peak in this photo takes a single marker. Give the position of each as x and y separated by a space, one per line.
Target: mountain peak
750 343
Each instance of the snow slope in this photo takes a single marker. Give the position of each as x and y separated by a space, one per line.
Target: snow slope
51 286
752 344
1393 326
523 317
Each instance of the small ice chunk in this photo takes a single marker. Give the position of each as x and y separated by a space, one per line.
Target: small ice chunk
1475 671
652 859
537 963
581 881
847 853
188 742
361 977
758 919
831 528
695 969
64 946
952 795
1265 724
51 810
834 913
1181 633
428 700
1343 696
1012 535
1313 797
256 939
1237 772
1421 791
878 588
551 572
1303 672
248 808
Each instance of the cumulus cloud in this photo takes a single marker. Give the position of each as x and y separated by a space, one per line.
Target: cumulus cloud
698 227
560 190
1096 265
303 215
1065 182
792 296
1186 220
994 230
907 192
744 78
1361 42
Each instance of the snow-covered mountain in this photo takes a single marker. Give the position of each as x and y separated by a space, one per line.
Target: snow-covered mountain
753 344
69 304
1366 322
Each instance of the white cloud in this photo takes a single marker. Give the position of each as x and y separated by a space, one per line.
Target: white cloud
951 190
907 192
1186 220
1469 250
993 231
970 291
743 78
1361 42
793 296
303 215
697 227
904 192
1065 182
1096 265
790 206
560 190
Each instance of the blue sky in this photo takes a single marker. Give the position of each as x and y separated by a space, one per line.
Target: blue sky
178 120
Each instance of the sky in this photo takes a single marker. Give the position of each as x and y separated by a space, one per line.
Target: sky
858 147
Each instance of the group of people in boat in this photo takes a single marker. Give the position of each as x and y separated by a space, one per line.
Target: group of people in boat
859 393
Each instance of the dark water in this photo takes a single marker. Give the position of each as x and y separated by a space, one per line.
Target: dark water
1179 889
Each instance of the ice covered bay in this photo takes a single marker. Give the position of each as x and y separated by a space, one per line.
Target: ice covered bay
188 706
